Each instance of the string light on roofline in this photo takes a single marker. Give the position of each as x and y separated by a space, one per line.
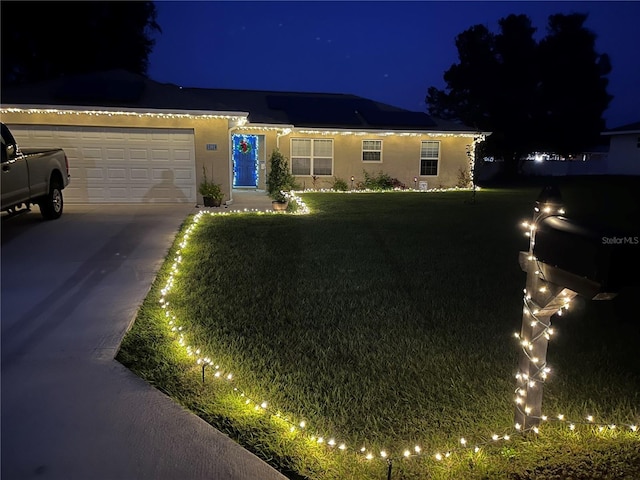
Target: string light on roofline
387 133
239 117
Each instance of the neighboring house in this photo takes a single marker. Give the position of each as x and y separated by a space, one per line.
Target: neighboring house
624 149
617 154
131 139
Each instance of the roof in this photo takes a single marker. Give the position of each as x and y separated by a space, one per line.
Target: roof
624 129
119 88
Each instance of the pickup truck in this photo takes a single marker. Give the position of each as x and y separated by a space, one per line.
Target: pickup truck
32 176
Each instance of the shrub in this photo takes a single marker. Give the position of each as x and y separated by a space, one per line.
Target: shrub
208 188
397 184
464 178
382 181
339 185
293 206
279 178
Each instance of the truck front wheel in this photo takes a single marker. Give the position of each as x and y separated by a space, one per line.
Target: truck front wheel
51 204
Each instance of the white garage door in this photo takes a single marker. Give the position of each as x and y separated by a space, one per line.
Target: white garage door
121 165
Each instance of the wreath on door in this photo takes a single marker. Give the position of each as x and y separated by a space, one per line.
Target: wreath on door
244 146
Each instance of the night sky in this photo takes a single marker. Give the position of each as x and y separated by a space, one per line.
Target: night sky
386 51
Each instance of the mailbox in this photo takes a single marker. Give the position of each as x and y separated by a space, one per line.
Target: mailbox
595 262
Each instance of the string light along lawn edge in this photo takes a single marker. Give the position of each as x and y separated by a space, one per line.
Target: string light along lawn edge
204 361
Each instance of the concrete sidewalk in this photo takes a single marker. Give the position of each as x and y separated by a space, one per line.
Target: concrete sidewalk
70 289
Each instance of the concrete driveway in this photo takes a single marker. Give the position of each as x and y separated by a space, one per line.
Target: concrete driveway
70 289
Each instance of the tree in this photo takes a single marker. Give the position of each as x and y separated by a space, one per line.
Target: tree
42 40
471 82
573 85
516 83
546 96
279 179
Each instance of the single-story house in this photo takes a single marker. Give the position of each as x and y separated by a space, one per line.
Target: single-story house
131 139
624 149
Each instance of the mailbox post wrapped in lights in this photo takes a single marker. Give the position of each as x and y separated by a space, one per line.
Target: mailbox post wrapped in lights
565 259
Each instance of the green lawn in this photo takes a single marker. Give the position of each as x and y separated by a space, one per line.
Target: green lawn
386 321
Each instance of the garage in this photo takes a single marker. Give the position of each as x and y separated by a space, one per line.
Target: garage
121 165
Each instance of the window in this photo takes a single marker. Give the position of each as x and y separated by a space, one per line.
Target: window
372 150
311 156
429 156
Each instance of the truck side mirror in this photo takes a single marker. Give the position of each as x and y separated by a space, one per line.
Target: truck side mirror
10 153
10 149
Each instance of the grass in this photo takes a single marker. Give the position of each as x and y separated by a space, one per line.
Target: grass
387 320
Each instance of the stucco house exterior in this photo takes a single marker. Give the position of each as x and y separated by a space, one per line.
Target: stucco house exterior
131 139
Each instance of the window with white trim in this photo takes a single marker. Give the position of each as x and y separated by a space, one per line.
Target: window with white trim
429 157
372 150
312 156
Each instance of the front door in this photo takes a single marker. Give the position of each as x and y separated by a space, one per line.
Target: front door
245 160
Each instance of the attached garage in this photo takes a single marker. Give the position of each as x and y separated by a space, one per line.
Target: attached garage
121 164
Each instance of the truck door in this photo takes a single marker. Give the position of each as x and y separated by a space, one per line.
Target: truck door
15 173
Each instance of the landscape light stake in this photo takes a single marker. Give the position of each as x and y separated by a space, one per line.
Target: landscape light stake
352 179
390 464
415 183
205 363
542 299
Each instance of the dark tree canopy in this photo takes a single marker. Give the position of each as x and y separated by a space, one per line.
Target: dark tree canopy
42 40
573 85
534 96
